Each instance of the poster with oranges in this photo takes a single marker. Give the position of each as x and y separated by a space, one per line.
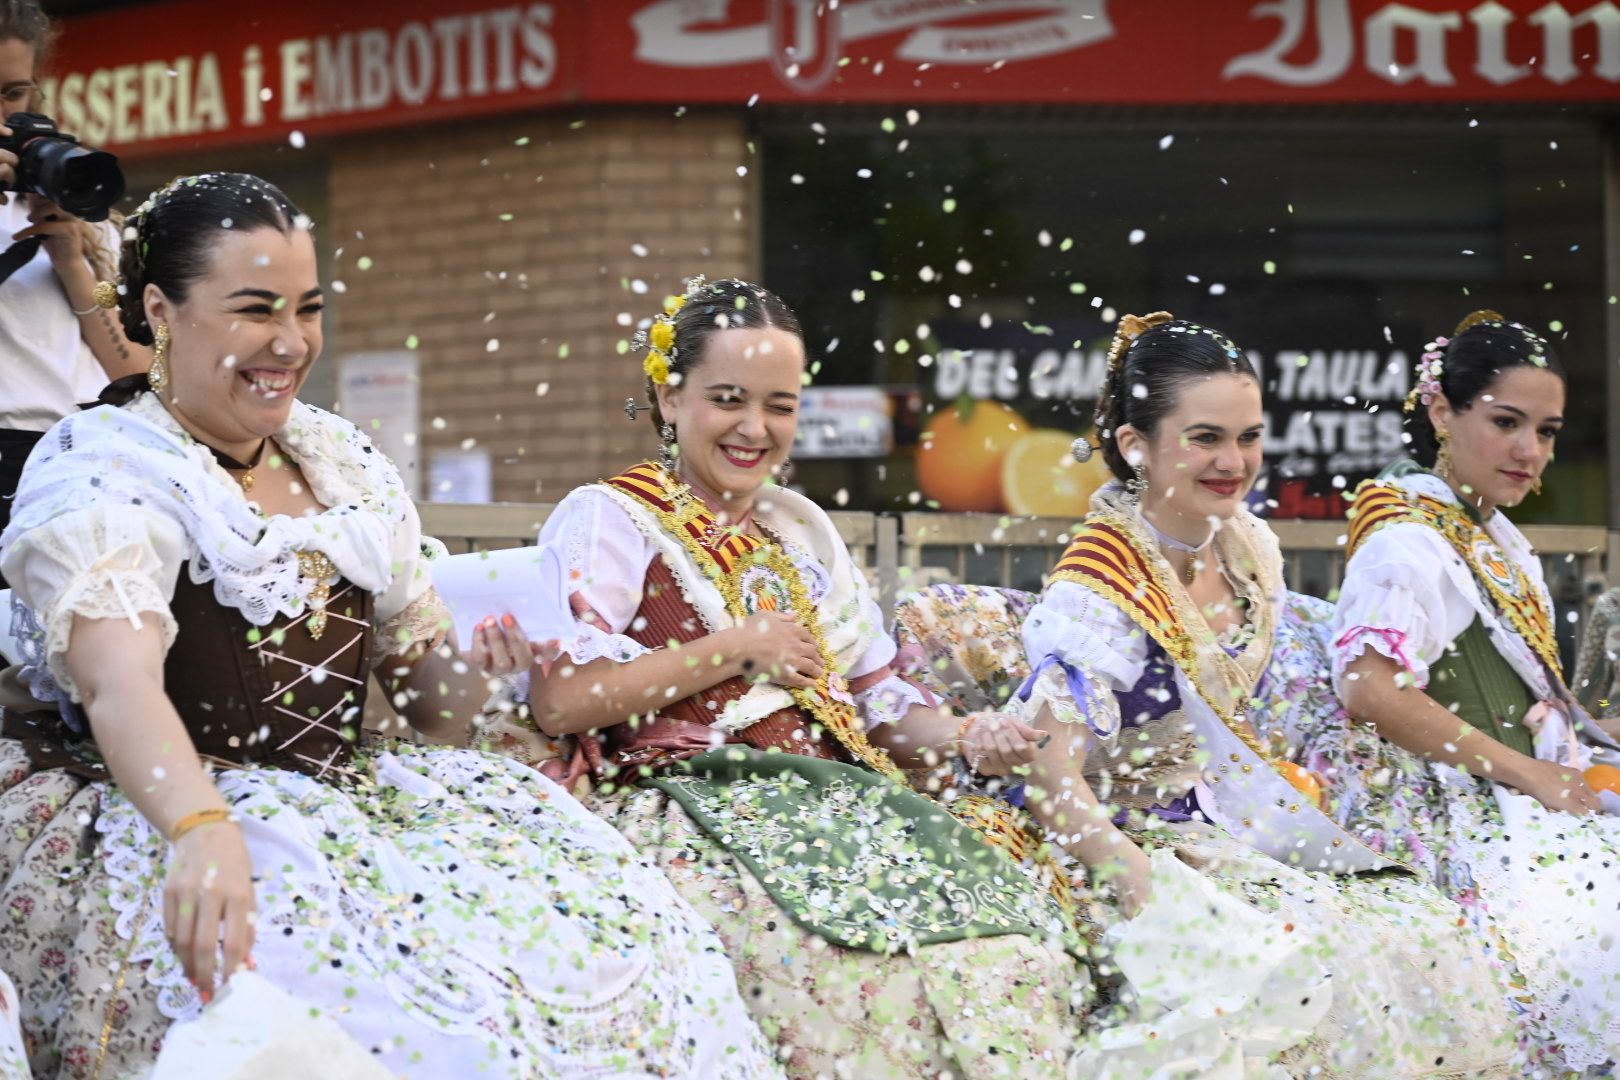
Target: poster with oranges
984 456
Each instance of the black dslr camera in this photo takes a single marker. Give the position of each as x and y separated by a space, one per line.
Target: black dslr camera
84 182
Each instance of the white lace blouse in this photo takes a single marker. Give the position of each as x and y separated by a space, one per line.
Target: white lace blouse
116 501
1408 594
607 558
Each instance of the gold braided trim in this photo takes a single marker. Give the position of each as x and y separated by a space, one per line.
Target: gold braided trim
689 521
1376 505
1105 567
1133 582
110 1017
686 518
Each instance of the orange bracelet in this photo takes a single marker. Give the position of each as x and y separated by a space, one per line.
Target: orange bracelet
961 732
198 820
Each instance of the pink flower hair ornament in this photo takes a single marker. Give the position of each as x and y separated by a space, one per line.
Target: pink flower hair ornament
1426 382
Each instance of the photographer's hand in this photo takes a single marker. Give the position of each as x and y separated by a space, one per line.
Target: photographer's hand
67 241
8 168
65 237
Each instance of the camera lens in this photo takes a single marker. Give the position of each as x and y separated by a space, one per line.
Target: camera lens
85 183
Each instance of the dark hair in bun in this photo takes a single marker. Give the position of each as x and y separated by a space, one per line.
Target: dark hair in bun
168 240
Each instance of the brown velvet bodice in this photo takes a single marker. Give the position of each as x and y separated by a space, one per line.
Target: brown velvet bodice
248 695
270 695
682 728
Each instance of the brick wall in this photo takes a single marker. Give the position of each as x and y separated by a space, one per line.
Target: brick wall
442 218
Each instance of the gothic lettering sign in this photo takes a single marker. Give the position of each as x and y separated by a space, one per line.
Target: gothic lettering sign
178 75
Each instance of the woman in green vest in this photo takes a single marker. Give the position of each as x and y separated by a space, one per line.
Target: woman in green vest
1444 642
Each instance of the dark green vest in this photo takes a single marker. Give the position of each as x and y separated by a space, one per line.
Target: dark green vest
1477 683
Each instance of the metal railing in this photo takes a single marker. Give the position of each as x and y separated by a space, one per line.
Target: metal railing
904 551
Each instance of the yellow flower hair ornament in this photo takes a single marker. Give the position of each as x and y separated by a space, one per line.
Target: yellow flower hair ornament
659 338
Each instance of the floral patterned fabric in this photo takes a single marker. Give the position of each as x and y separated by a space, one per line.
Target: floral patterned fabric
1413 992
455 912
1009 1006
1385 796
1597 677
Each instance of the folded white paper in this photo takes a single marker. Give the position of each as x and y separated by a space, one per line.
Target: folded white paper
255 1031
527 583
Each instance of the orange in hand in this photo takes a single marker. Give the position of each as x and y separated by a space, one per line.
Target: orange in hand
1603 778
1306 782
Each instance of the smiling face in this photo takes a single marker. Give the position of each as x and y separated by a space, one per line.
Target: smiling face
1502 443
245 338
1204 456
736 411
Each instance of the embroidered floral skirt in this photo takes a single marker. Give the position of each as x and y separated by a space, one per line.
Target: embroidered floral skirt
1363 976
1540 886
456 913
1010 1005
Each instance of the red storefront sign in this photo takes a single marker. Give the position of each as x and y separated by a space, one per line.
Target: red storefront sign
179 75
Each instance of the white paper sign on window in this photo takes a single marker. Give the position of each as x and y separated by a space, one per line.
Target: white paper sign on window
844 422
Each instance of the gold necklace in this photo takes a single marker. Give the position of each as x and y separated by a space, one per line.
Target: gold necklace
232 466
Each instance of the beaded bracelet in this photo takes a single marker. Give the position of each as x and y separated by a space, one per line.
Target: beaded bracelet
198 820
961 732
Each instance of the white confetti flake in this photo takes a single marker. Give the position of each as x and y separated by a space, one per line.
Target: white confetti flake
1137 236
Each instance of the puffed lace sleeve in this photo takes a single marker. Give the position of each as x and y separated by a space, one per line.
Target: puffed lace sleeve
101 562
881 695
1399 601
605 559
1082 650
410 610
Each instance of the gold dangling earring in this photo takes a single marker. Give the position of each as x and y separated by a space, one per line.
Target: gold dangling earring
157 376
1535 489
1442 459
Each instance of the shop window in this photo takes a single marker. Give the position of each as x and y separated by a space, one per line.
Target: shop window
975 260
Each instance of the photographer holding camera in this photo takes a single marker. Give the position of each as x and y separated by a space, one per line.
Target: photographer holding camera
58 347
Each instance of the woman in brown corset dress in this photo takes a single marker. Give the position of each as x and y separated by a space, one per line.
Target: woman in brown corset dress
730 682
207 576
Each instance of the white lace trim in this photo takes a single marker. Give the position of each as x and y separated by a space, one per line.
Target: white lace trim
594 643
140 456
99 594
888 701
427 618
534 928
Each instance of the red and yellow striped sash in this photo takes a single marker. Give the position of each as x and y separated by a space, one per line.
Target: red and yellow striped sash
1102 558
1505 585
1375 505
694 524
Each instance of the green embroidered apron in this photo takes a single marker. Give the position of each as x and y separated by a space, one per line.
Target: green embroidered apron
854 858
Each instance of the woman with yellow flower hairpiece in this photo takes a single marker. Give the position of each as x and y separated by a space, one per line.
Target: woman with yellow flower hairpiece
730 683
1445 643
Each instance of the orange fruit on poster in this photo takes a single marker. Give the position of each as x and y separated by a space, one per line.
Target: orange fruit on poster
1603 778
960 453
1304 781
1040 476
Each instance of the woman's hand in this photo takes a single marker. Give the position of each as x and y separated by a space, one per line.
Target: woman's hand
774 646
500 647
62 233
8 166
1557 787
209 887
1130 878
994 744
